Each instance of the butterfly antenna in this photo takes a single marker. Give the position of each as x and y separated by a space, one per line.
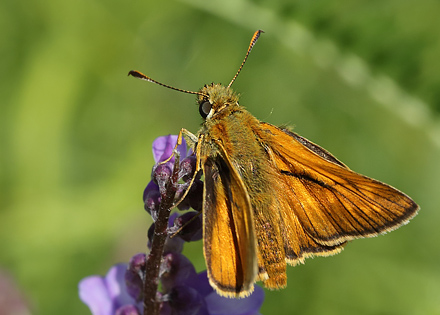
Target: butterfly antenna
251 45
142 76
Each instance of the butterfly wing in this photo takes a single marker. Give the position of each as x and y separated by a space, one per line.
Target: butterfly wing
228 229
330 202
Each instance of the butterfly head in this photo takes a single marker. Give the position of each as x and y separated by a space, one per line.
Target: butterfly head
216 99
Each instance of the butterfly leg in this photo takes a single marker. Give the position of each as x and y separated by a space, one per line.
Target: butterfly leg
190 137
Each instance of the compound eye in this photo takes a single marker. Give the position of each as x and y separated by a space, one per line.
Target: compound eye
205 108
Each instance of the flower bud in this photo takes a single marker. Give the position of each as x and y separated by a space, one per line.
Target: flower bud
192 226
187 168
137 263
196 195
161 175
194 198
134 284
152 203
134 276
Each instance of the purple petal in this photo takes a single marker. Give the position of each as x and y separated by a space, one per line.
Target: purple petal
163 148
137 262
182 148
105 294
165 309
218 305
115 281
93 292
185 300
152 186
172 218
127 310
178 270
191 224
246 306
134 284
134 275
203 285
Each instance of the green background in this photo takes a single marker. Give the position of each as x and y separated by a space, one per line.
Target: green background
360 78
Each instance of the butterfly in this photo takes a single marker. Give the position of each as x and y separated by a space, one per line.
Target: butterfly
272 198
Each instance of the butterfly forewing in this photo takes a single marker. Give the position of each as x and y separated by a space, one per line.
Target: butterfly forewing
298 243
228 230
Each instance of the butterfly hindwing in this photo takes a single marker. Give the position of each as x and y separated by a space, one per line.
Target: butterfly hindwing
332 203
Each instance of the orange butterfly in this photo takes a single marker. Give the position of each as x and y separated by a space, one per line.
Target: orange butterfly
272 197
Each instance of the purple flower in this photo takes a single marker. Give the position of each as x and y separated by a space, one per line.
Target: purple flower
218 305
162 150
184 291
107 295
191 291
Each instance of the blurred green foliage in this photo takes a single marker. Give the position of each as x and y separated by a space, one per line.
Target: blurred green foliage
361 78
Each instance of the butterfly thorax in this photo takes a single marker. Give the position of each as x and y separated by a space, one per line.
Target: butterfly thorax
232 127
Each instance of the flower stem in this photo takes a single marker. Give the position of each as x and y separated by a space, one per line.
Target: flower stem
154 258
